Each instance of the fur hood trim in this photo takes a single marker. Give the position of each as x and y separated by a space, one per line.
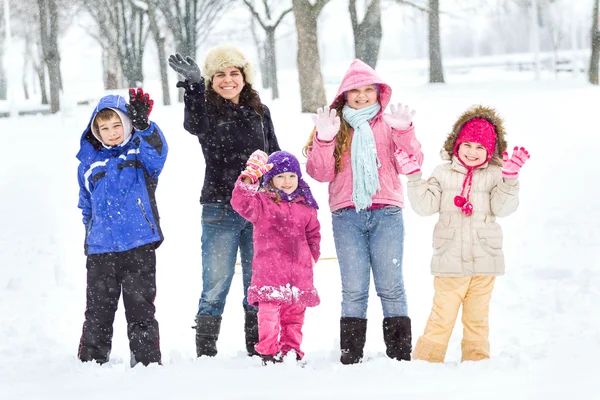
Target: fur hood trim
478 111
221 57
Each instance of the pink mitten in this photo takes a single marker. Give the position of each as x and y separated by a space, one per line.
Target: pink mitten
400 118
327 123
407 162
256 166
512 166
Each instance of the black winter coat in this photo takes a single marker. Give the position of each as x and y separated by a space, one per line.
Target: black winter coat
228 135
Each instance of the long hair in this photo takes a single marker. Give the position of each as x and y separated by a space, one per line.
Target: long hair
248 97
343 140
270 189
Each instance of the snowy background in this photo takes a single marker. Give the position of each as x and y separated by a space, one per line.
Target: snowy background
545 331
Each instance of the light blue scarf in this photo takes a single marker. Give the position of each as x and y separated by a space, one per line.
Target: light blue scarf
365 182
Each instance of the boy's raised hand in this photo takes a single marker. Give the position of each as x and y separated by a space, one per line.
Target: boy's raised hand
327 123
185 67
400 118
139 108
512 166
256 166
407 162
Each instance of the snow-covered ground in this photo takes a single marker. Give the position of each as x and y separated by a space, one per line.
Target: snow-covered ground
545 331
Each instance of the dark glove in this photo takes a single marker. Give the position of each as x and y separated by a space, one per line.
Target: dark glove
139 108
186 67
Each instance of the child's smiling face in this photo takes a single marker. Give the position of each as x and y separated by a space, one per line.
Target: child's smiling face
111 130
472 154
362 97
287 182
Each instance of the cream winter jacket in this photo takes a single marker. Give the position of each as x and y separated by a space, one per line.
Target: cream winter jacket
465 245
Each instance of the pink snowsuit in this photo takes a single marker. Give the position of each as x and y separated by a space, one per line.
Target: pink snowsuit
286 242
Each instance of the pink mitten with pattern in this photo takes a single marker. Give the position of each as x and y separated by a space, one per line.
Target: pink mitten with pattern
256 166
407 162
512 166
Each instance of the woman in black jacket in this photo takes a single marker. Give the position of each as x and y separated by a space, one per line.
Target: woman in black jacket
226 114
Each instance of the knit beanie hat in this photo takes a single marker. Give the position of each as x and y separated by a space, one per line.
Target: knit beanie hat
477 130
286 162
127 127
224 56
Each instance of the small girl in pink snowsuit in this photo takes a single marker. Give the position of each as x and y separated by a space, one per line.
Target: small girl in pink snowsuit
286 246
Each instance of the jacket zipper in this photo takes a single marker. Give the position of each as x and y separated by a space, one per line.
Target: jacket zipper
89 227
145 215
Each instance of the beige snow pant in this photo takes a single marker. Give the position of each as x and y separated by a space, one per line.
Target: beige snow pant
474 293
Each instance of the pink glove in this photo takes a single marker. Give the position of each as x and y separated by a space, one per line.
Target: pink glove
512 166
400 118
407 162
256 166
327 123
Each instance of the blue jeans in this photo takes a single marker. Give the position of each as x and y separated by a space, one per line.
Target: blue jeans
365 240
223 232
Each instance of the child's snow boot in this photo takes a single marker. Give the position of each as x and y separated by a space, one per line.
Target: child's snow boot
397 337
251 330
353 334
207 332
270 359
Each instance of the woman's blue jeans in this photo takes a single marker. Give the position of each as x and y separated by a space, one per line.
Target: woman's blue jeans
223 232
370 240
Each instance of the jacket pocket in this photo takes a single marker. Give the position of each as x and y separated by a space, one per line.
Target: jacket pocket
490 240
213 213
442 240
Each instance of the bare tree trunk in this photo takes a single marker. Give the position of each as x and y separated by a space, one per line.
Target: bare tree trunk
261 49
595 56
436 70
162 56
41 73
113 77
270 58
367 34
49 36
312 91
3 79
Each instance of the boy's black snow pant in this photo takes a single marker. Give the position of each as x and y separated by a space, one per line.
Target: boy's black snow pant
133 272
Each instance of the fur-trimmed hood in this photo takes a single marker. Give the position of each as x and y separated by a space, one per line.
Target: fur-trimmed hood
221 57
478 111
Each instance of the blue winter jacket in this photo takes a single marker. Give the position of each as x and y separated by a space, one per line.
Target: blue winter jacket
117 185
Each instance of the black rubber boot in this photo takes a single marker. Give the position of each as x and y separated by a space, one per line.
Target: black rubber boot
207 332
397 337
251 330
353 334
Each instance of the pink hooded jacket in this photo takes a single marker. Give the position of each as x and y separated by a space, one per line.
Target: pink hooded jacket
321 161
286 241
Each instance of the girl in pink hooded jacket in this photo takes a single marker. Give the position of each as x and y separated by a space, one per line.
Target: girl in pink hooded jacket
286 246
352 148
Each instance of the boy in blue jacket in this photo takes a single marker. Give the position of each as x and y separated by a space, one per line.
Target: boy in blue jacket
122 154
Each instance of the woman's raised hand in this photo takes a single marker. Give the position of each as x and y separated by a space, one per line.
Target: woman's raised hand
327 123
186 67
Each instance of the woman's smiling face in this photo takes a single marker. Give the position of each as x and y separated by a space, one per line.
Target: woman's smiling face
228 83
